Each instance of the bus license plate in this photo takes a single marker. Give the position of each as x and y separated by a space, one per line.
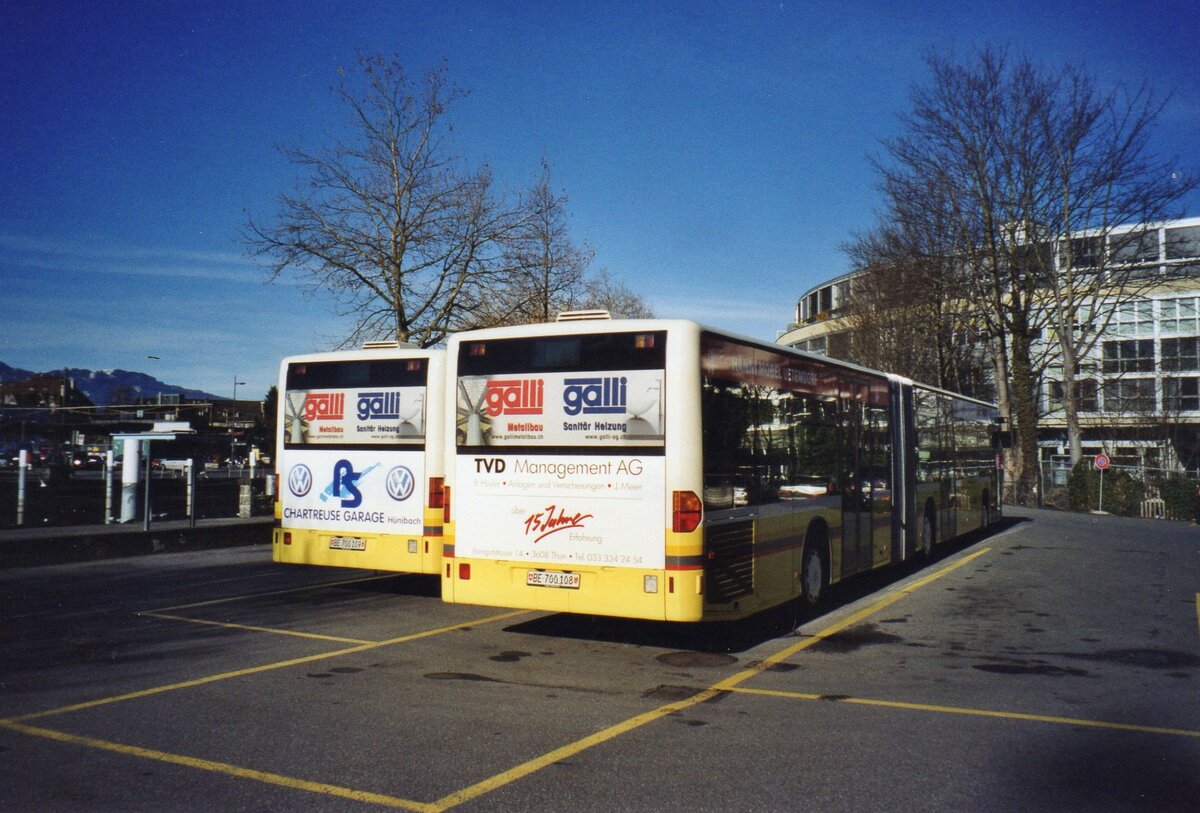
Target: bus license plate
552 578
347 543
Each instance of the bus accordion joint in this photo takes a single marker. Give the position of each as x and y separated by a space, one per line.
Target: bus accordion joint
687 512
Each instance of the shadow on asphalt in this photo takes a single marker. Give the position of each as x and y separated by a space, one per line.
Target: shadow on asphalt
739 636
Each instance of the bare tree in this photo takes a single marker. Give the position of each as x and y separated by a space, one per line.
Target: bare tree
1102 176
602 292
406 237
906 310
1006 164
548 269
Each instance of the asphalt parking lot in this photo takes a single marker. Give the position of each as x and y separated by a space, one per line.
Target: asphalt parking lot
1052 664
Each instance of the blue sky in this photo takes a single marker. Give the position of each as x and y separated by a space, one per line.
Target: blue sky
715 154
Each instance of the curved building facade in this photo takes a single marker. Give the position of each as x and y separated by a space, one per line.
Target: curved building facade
1139 385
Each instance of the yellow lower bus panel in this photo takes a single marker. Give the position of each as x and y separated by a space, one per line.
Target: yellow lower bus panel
401 553
628 592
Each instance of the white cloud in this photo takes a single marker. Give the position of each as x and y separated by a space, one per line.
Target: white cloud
69 257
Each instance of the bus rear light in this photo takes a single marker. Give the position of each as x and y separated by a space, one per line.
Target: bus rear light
436 492
687 513
287 537
446 504
464 571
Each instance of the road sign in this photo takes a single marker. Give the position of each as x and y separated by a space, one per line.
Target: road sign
1102 461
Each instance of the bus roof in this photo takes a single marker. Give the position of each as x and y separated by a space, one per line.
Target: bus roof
600 325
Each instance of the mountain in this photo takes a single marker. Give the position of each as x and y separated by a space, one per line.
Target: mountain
105 387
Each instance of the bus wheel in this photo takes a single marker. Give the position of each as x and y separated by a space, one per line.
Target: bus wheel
814 578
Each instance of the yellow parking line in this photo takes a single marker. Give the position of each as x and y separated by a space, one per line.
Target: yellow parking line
569 750
252 628
187 684
1004 715
222 768
228 599
850 620
537 763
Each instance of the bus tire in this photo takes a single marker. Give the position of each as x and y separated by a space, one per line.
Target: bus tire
814 571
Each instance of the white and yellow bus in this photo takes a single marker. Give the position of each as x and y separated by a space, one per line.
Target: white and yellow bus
359 446
659 469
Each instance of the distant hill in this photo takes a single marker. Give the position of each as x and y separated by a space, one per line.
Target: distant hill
105 387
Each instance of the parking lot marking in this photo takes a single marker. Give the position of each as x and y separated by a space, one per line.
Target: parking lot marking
537 763
252 628
285 591
766 663
570 749
1005 715
188 684
221 768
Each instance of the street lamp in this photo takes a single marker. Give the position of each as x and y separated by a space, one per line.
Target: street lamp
232 419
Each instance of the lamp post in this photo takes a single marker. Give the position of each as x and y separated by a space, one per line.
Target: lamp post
232 419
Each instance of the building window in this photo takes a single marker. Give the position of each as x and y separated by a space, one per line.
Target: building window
1085 253
1087 392
1179 315
826 296
816 345
1133 319
1183 243
1129 356
1181 354
1181 394
1134 247
1129 396
841 294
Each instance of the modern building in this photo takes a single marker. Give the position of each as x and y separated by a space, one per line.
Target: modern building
1140 385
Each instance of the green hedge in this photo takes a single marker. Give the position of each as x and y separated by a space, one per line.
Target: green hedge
1123 494
1179 493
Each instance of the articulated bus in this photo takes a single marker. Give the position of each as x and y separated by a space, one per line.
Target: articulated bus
659 469
359 447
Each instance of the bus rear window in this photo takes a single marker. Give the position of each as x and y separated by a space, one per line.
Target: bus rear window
564 354
355 402
306 375
560 394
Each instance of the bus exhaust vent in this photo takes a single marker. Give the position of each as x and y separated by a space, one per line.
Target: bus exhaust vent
389 344
729 564
580 316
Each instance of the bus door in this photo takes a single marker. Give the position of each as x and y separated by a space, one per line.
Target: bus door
856 488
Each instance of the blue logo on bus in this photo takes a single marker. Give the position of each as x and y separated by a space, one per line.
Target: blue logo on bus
300 480
400 483
595 396
383 405
345 484
345 479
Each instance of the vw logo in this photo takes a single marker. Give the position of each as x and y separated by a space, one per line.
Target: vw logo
300 480
400 483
